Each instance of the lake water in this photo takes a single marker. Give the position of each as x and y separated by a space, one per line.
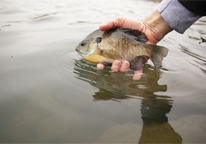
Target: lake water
48 93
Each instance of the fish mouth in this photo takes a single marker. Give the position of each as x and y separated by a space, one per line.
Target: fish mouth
78 51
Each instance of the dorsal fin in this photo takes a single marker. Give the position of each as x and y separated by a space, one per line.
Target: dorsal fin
138 35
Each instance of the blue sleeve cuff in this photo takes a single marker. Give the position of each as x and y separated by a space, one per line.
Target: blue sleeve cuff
176 15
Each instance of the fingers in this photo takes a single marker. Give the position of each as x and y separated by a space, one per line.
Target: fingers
138 74
107 26
114 23
132 24
125 66
100 66
116 66
121 23
122 67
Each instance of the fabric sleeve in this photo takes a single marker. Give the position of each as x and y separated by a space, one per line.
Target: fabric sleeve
176 15
196 6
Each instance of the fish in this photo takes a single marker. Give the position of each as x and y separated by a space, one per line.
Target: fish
120 44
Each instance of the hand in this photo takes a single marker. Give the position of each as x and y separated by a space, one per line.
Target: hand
152 29
127 23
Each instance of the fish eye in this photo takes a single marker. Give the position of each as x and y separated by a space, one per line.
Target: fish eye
83 44
98 39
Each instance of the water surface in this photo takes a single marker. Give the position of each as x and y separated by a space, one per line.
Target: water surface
48 93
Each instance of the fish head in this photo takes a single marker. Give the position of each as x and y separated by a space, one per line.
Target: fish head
87 47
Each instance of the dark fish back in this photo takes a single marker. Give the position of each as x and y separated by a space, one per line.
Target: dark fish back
139 36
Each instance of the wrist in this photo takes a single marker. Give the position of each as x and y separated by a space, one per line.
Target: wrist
157 25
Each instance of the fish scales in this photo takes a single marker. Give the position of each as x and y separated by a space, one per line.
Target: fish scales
120 44
126 48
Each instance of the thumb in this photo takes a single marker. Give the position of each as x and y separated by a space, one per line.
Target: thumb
114 23
122 23
107 26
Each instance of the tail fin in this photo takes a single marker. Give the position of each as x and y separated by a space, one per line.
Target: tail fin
159 52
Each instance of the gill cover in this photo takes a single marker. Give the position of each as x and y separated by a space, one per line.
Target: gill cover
87 47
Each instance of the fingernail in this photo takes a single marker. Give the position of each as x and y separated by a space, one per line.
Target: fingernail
116 65
125 65
100 66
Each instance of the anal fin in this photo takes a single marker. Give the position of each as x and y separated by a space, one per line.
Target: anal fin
138 63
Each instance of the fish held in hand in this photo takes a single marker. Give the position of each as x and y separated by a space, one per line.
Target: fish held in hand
120 44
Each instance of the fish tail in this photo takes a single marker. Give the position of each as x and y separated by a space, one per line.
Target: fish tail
159 52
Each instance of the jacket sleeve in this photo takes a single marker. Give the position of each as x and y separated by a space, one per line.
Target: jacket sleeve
196 6
176 15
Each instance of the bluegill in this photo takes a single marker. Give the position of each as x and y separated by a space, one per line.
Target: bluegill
120 44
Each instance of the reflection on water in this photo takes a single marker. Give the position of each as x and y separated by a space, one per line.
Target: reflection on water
118 86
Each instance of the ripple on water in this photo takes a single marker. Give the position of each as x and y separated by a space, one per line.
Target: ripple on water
173 67
58 58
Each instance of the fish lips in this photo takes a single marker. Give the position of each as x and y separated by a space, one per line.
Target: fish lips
78 51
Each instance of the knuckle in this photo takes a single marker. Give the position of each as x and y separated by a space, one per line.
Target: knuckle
116 66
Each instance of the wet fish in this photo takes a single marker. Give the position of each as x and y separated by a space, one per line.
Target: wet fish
120 44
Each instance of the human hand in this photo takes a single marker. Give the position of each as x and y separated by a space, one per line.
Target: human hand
152 28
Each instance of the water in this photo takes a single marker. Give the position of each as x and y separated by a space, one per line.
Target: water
48 93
